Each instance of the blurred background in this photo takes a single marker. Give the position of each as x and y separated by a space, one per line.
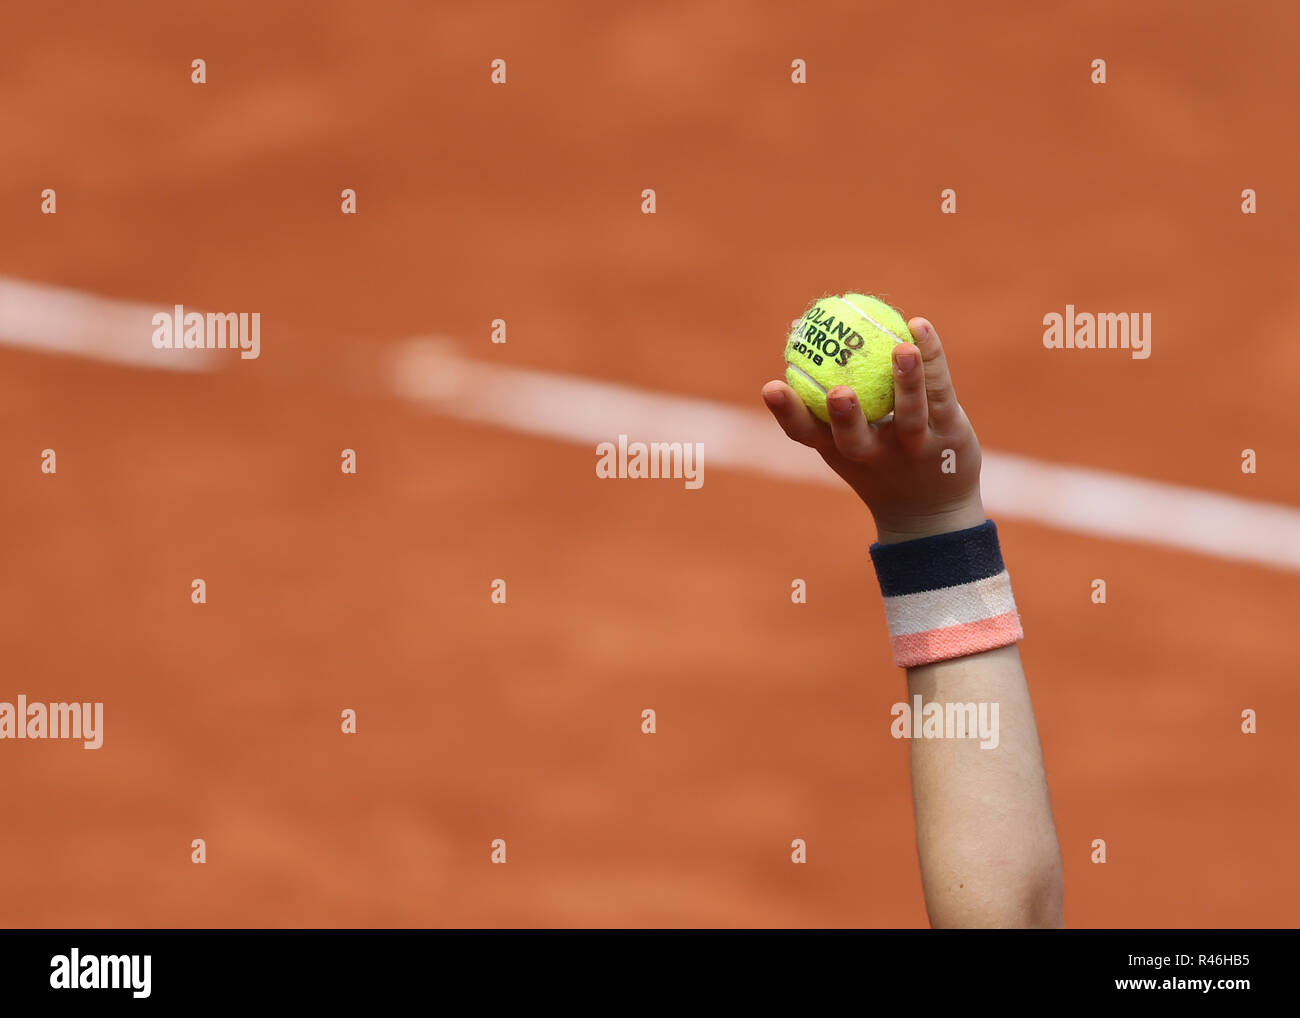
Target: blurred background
522 202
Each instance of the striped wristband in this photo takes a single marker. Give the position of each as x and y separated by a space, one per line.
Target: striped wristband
946 595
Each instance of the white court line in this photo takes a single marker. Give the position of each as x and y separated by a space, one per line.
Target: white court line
53 319
1077 499
567 408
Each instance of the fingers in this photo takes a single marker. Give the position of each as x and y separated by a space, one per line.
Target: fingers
796 420
911 411
854 436
849 434
939 395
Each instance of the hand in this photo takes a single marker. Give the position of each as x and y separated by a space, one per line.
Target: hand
896 464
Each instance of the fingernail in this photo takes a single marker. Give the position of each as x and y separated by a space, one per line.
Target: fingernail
843 405
774 398
905 361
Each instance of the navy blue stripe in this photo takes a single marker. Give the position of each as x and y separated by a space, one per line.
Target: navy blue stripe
944 560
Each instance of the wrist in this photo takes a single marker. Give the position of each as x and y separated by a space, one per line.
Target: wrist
946 595
895 528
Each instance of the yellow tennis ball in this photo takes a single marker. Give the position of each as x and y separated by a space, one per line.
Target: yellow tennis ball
846 340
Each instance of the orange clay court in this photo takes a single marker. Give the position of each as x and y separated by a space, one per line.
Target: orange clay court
522 202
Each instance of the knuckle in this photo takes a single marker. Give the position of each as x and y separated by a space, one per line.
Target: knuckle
939 393
807 437
853 447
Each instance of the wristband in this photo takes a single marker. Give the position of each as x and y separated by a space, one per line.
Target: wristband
946 596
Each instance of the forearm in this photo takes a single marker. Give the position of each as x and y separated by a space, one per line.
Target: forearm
987 843
988 847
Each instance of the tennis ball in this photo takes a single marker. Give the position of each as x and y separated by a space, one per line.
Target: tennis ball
846 340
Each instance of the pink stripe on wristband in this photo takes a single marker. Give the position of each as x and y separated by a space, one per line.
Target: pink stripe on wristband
913 649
